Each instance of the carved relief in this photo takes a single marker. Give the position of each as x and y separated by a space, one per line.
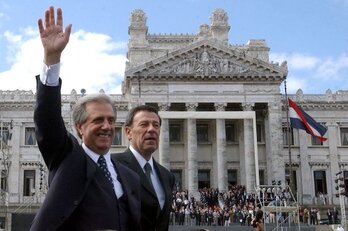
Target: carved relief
163 106
220 106
248 106
191 106
205 63
148 89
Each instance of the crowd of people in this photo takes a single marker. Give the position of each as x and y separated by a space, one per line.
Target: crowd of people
235 206
214 208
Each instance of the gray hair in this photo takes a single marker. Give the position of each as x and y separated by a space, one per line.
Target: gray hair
79 111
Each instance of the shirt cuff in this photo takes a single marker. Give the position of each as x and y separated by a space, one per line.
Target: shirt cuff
50 75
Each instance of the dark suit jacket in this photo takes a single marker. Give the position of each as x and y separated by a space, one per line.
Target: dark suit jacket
152 217
79 197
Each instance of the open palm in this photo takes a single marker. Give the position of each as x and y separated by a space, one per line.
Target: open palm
53 38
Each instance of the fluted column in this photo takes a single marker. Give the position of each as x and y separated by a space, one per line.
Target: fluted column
249 162
192 165
221 150
275 161
164 153
306 169
14 168
333 155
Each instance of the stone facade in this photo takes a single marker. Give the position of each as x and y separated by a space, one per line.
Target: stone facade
223 117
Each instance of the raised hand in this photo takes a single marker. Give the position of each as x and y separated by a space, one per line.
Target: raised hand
53 38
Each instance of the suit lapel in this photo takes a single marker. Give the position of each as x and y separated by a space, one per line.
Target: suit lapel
135 166
164 182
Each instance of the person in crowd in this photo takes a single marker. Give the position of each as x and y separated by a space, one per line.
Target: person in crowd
142 127
87 189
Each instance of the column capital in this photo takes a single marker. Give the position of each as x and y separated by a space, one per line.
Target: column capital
220 106
331 124
191 106
274 107
163 106
248 106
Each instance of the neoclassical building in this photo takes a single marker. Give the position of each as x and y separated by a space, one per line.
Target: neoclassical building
224 118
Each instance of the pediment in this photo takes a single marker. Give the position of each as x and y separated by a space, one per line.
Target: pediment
205 58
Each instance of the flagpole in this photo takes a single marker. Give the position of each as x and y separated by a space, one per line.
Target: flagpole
288 138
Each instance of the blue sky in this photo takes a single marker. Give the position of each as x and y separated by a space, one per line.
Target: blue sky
311 35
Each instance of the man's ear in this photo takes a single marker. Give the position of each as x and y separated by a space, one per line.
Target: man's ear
128 132
79 129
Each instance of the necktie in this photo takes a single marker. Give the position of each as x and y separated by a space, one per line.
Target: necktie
148 170
104 168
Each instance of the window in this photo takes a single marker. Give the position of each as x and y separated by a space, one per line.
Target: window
178 178
344 136
29 183
316 141
3 181
203 179
230 132
345 178
118 136
260 131
320 182
294 178
286 134
30 138
232 177
4 135
262 176
202 133
175 132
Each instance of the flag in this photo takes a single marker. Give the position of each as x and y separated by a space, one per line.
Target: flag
301 120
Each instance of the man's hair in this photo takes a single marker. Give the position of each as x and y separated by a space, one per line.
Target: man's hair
135 110
79 111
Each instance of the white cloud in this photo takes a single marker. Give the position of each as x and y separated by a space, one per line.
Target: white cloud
90 61
330 69
296 61
295 83
314 74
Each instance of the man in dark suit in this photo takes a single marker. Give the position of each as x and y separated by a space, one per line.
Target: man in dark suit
87 190
142 127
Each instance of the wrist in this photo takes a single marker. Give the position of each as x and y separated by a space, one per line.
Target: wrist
51 59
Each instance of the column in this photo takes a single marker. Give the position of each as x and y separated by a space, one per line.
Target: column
221 158
275 161
164 147
306 169
14 168
249 161
334 160
192 165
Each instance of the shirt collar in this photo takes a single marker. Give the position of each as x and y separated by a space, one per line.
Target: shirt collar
141 160
94 156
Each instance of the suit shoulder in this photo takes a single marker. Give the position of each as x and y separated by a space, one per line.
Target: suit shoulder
129 171
120 156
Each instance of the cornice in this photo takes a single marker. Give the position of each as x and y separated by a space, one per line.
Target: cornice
18 106
319 164
230 78
323 105
343 164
